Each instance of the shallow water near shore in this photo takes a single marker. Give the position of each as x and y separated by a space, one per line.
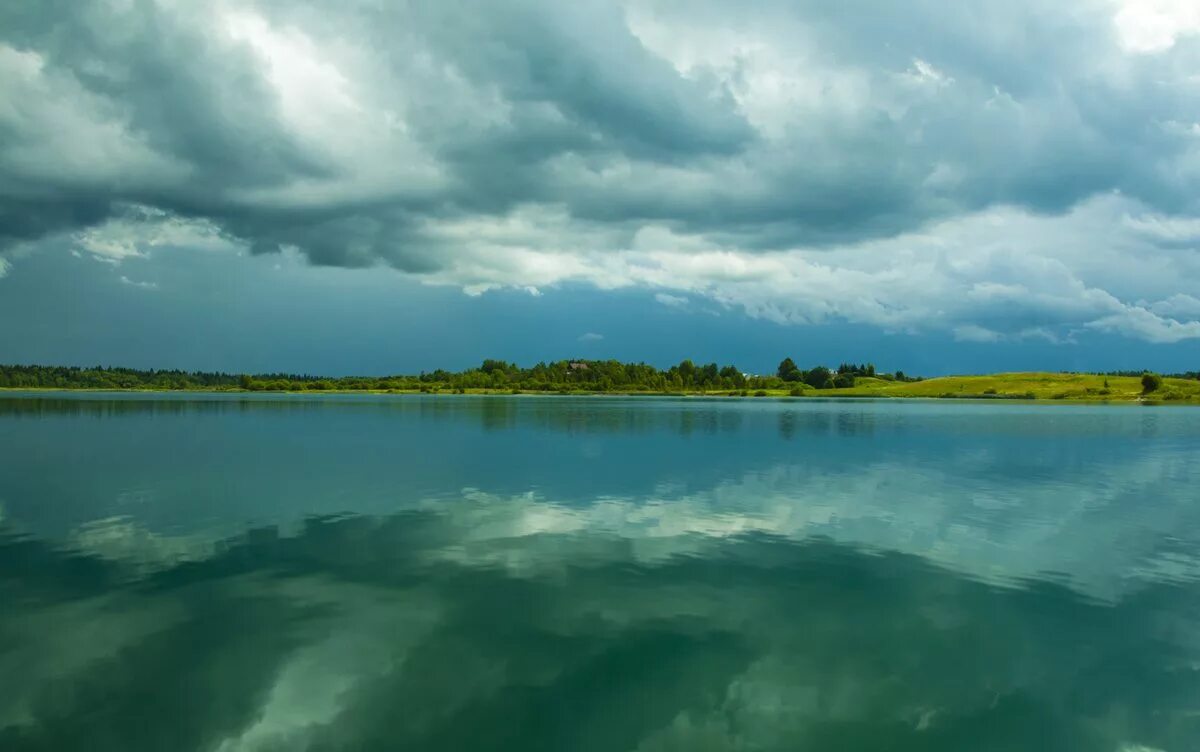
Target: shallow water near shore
355 572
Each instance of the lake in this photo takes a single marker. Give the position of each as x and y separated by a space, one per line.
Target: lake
354 572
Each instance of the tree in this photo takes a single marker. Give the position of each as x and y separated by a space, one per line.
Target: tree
1151 382
843 380
788 370
733 377
818 377
491 366
687 368
491 374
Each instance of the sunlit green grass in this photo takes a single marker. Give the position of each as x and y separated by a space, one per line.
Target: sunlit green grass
1029 385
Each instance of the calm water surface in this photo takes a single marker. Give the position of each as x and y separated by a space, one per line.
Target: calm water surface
191 572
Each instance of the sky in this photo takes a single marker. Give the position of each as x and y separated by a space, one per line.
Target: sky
357 186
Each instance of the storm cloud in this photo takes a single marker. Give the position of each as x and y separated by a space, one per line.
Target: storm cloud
1006 171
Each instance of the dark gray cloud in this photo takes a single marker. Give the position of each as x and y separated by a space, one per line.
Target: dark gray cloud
551 103
581 59
518 144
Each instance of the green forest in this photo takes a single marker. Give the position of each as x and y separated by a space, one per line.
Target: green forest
491 375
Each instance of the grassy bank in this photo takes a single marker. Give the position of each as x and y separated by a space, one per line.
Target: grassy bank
1030 385
614 377
1069 387
1045 386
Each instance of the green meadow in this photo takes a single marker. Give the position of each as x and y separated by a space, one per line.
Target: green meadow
1028 385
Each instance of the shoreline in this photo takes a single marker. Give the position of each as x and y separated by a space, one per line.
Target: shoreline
612 378
852 393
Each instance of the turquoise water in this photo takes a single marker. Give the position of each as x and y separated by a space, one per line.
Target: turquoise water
192 572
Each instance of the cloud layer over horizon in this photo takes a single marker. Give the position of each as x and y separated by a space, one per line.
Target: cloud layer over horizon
1016 172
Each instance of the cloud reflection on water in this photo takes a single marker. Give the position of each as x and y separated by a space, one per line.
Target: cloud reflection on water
362 633
770 577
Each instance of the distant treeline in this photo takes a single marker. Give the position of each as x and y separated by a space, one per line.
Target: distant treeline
560 376
1193 375
820 377
102 377
563 375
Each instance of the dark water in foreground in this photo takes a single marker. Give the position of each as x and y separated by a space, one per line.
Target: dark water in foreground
458 573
